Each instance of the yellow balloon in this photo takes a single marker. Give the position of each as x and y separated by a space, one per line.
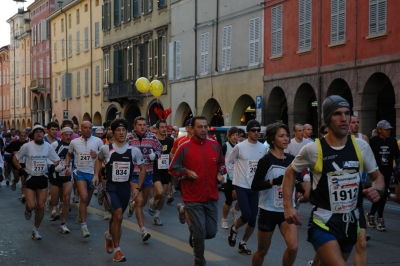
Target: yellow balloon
142 84
156 88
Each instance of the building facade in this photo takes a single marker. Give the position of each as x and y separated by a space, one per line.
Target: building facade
20 100
76 59
135 44
314 49
5 86
223 77
41 60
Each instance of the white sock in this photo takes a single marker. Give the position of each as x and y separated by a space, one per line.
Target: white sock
143 229
157 213
83 225
109 236
116 249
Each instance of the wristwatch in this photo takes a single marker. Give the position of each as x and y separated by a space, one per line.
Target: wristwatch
138 188
380 192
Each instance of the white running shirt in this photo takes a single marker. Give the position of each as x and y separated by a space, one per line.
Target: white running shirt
83 161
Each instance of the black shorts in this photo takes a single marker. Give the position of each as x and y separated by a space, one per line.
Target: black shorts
228 188
268 220
361 221
117 195
9 160
36 183
59 182
163 176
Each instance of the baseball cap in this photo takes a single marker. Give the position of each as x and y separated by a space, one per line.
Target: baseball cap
35 128
383 124
188 122
66 129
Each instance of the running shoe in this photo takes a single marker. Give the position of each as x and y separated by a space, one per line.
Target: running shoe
75 199
13 186
36 235
370 220
170 199
157 221
54 216
232 237
380 224
106 216
310 263
119 256
152 209
235 214
145 236
368 237
85 232
28 215
224 224
131 209
78 219
64 229
109 243
181 213
243 249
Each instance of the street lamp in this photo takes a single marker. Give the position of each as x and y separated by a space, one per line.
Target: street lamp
20 5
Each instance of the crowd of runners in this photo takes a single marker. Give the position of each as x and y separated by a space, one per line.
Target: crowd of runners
263 183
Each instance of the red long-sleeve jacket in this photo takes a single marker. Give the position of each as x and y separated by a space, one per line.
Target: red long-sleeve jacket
206 159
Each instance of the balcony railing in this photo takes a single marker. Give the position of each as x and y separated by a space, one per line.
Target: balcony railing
40 84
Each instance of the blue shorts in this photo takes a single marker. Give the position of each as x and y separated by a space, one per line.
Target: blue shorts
117 195
318 237
148 181
81 176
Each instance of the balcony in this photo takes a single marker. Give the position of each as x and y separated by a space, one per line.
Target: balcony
39 85
120 91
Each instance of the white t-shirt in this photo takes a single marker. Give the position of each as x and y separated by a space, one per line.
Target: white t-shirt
104 153
247 156
37 157
83 160
294 147
308 157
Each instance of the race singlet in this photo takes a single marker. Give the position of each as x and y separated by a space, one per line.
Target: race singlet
343 192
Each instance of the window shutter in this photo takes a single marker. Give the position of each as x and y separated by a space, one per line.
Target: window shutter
86 81
128 10
177 59
96 34
226 47
70 46
78 42
103 12
62 49
116 12
254 45
338 21
116 66
304 24
55 52
135 8
377 16
204 53
97 79
109 15
122 13
86 39
171 61
277 31
78 84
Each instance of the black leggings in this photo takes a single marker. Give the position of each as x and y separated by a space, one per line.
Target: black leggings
380 205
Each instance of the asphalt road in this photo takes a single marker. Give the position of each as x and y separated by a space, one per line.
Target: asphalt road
167 246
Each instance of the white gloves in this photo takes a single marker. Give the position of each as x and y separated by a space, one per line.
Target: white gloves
59 168
306 178
152 155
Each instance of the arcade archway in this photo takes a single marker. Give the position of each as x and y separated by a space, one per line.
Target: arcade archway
243 110
97 119
341 88
183 113
212 111
277 108
131 113
305 108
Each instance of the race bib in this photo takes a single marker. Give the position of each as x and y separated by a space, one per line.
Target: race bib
343 192
121 171
39 167
251 168
278 196
62 162
84 159
163 161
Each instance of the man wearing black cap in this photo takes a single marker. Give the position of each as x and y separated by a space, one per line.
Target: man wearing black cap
120 158
337 162
385 150
246 155
36 155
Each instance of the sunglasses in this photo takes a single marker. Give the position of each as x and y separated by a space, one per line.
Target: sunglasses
255 130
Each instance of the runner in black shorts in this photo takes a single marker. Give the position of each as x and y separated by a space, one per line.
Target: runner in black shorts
120 158
161 177
13 148
37 155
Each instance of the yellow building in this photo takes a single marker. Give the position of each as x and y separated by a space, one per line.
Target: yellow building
135 44
20 112
77 61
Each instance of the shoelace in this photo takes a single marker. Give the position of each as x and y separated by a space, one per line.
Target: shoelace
347 218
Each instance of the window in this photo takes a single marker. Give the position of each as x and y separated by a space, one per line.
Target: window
226 47
178 60
338 21
147 6
70 46
122 13
62 49
55 89
54 30
377 17
107 68
137 62
305 24
27 97
47 66
106 16
125 10
162 3
28 65
78 84
55 52
86 82
96 34
86 39
77 17
276 31
136 8
204 53
62 25
78 42
86 8
149 67
34 69
17 97
33 36
163 55
97 87
69 21
97 2
116 12
118 66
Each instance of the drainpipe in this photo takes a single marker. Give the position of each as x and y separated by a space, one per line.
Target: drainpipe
14 68
91 62
216 38
319 77
66 52
355 47
195 57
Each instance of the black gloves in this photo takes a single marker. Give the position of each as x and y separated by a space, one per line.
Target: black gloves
22 172
277 181
52 168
